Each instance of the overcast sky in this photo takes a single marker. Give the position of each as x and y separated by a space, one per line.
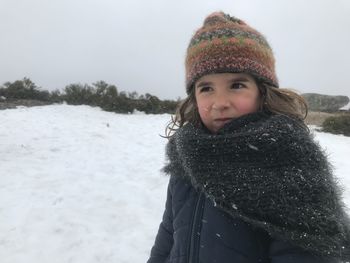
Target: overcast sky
140 45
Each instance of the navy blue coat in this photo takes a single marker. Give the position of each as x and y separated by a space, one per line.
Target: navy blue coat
193 230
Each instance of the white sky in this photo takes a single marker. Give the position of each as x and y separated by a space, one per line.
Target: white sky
140 45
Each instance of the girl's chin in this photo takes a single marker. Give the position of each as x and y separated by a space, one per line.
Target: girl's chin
218 124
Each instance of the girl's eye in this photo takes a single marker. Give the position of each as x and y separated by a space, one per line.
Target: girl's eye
205 89
237 86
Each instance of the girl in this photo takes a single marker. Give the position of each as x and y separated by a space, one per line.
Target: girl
247 181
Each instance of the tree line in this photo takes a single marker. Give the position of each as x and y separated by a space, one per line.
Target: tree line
107 97
100 93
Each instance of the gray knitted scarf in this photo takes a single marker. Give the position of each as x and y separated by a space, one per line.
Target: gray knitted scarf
268 171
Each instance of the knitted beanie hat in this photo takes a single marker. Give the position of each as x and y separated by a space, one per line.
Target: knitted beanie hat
227 44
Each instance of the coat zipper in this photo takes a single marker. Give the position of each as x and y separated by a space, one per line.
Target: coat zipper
193 247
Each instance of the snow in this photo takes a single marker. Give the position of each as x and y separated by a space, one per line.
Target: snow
78 184
346 107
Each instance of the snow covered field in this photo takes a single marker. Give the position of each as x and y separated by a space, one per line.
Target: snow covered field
78 184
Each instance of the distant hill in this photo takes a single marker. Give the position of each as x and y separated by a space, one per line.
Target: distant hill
325 103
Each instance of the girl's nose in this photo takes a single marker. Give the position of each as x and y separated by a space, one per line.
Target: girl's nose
221 102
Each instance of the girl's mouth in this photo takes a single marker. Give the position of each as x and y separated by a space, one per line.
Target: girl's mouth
223 121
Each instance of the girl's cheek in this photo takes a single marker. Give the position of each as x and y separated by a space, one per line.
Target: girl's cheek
247 104
203 105
203 110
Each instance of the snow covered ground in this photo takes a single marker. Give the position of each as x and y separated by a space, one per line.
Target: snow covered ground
346 107
78 184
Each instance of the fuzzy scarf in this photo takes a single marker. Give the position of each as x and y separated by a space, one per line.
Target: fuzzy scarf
268 171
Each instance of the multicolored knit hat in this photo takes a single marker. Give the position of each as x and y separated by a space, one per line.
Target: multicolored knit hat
227 44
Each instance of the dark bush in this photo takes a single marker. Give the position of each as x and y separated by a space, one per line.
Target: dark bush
56 96
78 94
337 124
23 89
99 94
106 96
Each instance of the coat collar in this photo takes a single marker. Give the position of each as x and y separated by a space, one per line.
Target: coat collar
267 170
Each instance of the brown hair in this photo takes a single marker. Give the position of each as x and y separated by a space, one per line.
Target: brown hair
272 99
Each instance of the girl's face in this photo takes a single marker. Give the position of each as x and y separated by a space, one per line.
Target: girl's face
225 96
